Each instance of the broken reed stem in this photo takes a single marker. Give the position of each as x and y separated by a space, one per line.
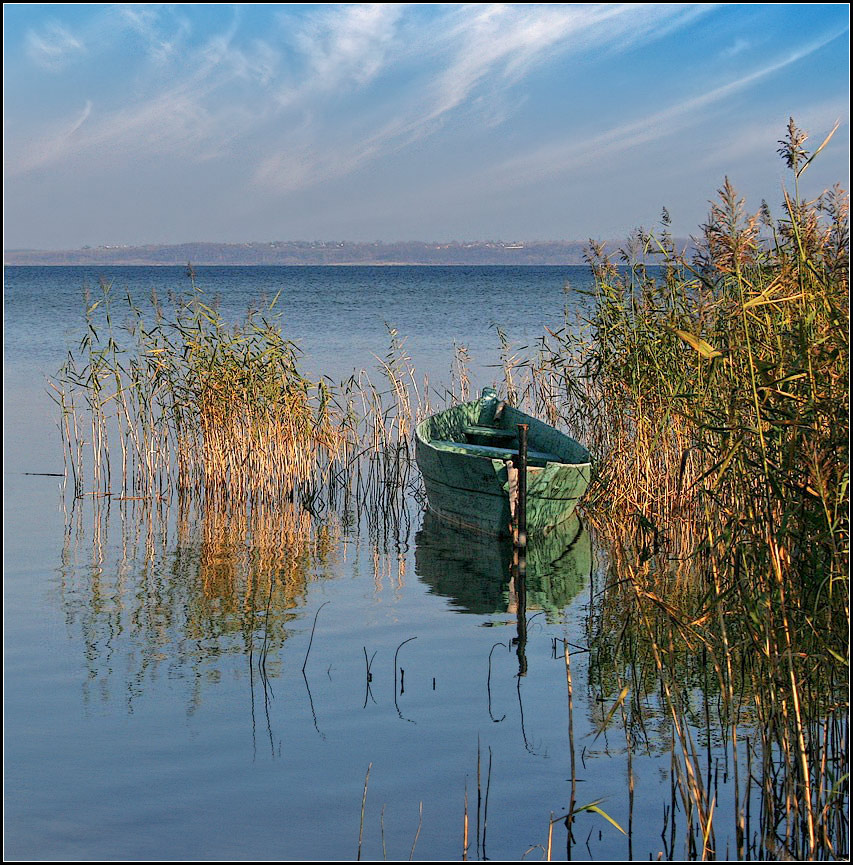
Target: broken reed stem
361 821
418 832
409 640
465 824
550 836
486 803
311 640
479 793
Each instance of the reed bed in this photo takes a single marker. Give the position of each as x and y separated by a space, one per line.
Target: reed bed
156 401
714 390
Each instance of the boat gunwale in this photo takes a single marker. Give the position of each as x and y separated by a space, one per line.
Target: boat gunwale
428 442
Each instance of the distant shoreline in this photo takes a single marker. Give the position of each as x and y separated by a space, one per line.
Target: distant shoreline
292 264
296 253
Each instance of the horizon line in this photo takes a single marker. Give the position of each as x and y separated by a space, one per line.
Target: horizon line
514 244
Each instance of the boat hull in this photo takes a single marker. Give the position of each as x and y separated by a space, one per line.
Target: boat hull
471 490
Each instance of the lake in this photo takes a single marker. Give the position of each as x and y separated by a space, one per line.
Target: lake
189 682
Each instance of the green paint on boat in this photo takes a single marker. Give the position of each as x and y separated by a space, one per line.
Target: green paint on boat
462 454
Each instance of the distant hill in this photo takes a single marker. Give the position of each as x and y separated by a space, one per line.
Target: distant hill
539 252
310 253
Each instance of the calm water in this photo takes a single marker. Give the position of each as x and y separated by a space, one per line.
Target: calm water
156 705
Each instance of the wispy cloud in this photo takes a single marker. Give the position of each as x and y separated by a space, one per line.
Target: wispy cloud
222 89
505 43
53 46
173 121
457 60
485 50
177 113
49 148
347 47
571 154
761 136
478 53
737 47
162 42
288 101
322 117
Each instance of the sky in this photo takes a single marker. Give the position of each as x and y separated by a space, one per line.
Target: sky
142 124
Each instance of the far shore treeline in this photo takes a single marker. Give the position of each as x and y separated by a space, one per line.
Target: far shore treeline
330 252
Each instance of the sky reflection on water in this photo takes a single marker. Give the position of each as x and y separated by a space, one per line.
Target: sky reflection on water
188 682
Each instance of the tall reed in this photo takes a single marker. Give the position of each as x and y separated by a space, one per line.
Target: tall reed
184 400
714 391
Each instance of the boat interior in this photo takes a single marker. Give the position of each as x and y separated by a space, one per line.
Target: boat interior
493 435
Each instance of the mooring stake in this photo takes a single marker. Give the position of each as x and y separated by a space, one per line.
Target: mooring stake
521 505
520 552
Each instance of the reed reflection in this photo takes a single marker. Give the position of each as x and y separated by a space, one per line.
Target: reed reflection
188 590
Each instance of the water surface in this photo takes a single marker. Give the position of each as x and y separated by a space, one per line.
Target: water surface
187 682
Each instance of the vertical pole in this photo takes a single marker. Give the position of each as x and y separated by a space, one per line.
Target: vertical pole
521 508
520 551
521 614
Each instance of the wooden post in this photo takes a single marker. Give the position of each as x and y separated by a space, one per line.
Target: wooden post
521 613
521 507
519 552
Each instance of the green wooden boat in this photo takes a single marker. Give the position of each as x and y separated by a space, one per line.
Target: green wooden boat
465 457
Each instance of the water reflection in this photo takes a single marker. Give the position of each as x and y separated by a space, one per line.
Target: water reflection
474 571
186 591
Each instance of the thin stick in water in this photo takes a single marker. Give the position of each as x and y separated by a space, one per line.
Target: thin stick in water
420 821
312 633
361 823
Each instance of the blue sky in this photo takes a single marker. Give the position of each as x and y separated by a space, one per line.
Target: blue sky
167 124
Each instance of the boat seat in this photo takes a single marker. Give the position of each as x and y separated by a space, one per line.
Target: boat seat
490 432
533 457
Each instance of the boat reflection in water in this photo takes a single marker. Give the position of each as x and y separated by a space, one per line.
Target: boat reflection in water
475 571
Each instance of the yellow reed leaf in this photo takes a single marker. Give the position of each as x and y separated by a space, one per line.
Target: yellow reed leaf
593 806
765 297
603 726
704 348
825 142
